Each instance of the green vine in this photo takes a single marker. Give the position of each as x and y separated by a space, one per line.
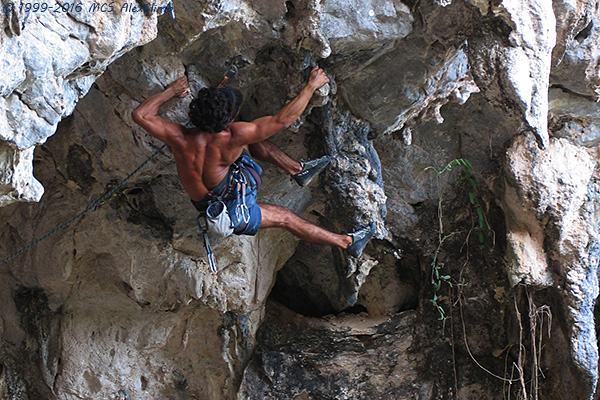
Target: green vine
485 234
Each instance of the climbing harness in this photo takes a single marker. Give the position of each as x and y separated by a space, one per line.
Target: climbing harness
92 206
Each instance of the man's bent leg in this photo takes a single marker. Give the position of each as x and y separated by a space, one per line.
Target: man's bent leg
281 217
268 152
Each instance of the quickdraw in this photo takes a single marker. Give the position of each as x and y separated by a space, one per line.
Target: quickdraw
212 262
241 209
230 73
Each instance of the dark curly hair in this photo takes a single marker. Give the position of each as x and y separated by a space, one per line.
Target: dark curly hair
214 108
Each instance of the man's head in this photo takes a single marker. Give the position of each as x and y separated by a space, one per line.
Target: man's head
215 108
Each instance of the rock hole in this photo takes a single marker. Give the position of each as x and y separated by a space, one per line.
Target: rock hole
123 395
93 382
410 3
125 287
133 196
180 381
143 382
356 309
80 167
307 302
291 10
138 206
311 285
585 32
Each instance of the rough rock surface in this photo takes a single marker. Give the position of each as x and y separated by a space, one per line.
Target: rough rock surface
50 56
504 249
332 358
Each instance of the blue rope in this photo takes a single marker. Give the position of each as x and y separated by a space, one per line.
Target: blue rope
92 206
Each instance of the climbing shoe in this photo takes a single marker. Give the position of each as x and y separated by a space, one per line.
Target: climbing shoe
310 169
360 239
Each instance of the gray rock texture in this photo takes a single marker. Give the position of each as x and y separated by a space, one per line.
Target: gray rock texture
481 281
50 56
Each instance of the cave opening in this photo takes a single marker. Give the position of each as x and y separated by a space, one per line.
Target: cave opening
311 290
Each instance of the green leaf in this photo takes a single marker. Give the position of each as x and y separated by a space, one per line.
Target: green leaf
480 216
472 182
442 312
468 165
445 277
472 198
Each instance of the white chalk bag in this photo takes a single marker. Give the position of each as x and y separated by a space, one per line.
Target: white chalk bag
218 219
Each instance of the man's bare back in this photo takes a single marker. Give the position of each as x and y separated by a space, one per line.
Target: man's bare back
203 159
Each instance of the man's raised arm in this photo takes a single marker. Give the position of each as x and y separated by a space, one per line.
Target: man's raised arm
261 128
146 114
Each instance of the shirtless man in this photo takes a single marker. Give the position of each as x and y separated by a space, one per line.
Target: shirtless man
204 155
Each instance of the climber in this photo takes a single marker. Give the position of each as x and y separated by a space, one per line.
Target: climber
218 148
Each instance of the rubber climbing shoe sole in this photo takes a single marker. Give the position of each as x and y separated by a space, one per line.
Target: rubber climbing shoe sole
360 239
310 169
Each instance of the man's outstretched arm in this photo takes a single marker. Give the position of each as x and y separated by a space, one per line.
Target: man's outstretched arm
146 114
261 128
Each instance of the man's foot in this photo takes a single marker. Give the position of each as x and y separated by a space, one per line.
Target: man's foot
360 239
310 169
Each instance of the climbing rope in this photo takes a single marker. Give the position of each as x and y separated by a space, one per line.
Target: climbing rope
92 206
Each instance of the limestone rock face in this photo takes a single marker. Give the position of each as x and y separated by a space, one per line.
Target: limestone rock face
50 56
467 130
332 358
